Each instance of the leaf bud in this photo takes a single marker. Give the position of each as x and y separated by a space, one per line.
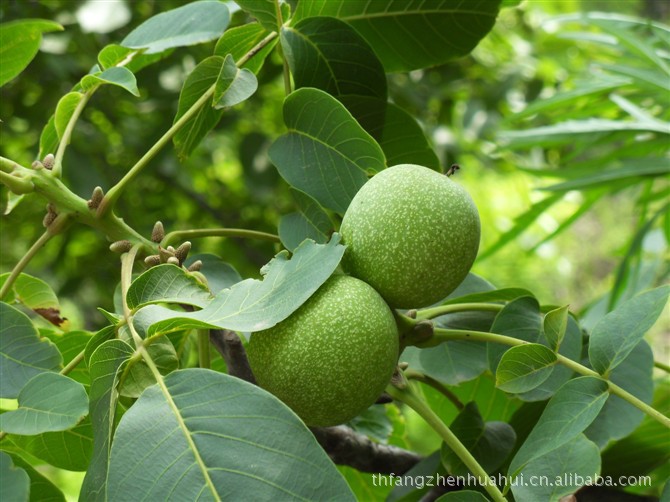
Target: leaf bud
37 165
96 198
164 254
182 251
48 161
158 233
195 266
152 260
122 246
172 260
49 219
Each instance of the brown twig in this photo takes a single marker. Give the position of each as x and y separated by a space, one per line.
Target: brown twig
230 347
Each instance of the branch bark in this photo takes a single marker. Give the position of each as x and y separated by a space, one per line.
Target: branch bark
230 347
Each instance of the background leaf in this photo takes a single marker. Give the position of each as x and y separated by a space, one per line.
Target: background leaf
617 334
206 442
15 481
191 24
41 489
38 412
440 31
239 40
23 354
263 10
37 295
20 42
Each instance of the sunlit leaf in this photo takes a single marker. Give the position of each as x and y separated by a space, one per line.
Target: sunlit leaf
554 325
64 110
119 76
524 367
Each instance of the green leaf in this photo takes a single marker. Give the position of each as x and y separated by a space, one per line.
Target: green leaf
137 375
635 170
22 353
41 489
168 284
64 110
216 436
519 319
617 334
490 443
15 481
554 325
20 42
494 296
411 35
240 40
219 274
234 85
373 423
567 131
575 461
70 450
398 133
105 365
39 412
134 60
119 76
328 54
265 11
36 295
524 367
197 83
253 305
568 413
311 222
326 153
450 363
191 24
618 418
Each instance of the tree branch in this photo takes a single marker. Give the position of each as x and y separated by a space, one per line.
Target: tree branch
347 447
230 347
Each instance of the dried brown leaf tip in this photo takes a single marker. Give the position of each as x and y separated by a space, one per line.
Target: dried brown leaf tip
53 316
158 232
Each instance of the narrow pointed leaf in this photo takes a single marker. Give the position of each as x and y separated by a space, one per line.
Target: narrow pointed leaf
617 334
571 410
253 305
554 325
326 153
234 85
408 35
119 76
207 435
22 353
191 24
524 367
38 412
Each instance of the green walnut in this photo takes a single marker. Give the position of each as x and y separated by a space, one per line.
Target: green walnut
412 234
333 357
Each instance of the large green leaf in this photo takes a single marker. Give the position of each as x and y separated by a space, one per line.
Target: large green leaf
20 42
571 410
105 364
574 464
328 54
41 489
205 75
15 484
489 442
326 153
208 436
398 133
167 283
617 334
411 34
253 305
22 353
191 24
265 11
520 319
39 412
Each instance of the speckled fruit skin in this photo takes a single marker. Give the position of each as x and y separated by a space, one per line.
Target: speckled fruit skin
412 234
332 358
